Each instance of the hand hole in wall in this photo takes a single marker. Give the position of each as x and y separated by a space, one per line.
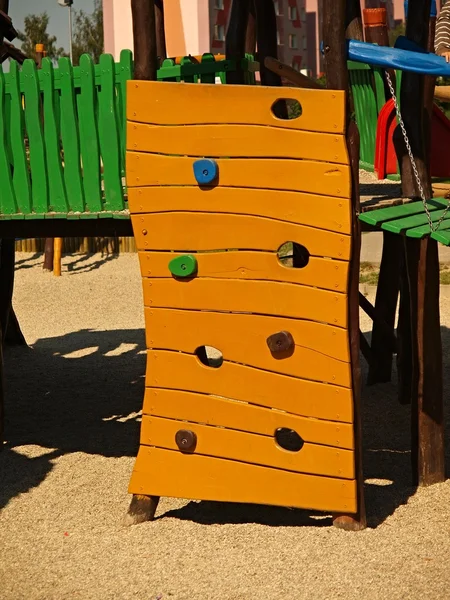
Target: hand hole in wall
288 439
209 356
287 109
291 254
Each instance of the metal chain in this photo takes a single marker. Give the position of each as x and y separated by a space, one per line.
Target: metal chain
433 226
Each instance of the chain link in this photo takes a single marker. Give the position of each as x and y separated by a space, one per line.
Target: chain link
433 226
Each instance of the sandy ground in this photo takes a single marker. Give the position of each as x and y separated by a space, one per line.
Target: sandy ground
72 432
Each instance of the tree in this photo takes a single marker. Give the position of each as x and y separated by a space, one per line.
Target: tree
88 33
36 33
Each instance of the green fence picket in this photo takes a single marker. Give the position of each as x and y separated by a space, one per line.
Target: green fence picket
90 151
57 188
8 203
124 75
109 136
21 176
208 77
70 140
33 123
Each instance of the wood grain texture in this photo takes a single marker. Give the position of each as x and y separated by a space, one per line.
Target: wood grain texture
256 297
234 141
189 232
321 351
323 212
323 273
148 102
250 448
273 174
206 478
178 371
223 412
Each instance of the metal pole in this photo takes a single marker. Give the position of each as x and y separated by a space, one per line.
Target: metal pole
70 33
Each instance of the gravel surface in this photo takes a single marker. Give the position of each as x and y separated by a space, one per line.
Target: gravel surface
73 401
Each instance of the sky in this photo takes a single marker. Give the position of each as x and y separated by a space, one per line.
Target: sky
59 16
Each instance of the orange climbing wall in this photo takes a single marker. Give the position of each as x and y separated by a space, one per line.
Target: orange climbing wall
278 181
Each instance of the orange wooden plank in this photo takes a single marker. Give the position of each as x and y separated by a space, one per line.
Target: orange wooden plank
223 412
158 103
257 297
321 351
323 212
237 141
184 231
160 472
175 370
250 448
297 175
322 273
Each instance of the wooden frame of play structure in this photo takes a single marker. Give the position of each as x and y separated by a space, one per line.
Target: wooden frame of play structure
214 191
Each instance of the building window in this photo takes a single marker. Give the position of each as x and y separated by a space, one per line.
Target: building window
219 33
278 4
292 13
305 45
303 12
279 40
295 65
292 40
218 4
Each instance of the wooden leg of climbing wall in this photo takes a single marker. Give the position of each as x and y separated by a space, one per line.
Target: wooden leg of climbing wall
57 257
404 338
427 422
142 508
385 307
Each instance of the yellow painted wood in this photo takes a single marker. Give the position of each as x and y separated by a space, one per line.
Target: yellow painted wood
234 141
250 448
296 175
184 104
323 212
257 297
190 232
162 472
321 351
322 273
223 412
175 370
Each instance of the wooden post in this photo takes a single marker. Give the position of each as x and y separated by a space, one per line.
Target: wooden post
334 28
266 28
144 35
235 42
160 33
427 428
57 257
250 37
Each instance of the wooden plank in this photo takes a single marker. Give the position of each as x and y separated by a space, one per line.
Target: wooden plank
70 138
160 472
223 412
88 126
321 351
126 73
250 448
33 122
175 370
234 141
322 273
301 176
57 189
8 204
323 212
256 297
109 136
21 174
201 231
402 211
153 103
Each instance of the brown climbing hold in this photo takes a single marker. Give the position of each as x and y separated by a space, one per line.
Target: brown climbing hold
280 342
186 440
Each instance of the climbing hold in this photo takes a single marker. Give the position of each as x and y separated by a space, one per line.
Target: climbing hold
186 440
288 439
280 342
205 171
183 266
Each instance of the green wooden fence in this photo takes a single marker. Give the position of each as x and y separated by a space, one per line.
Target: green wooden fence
62 139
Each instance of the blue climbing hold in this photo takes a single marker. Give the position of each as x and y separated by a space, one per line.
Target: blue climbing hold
205 171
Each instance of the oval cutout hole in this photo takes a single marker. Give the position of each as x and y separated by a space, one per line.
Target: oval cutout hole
209 356
287 109
291 254
288 439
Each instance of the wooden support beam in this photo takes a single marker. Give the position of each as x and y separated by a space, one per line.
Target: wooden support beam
250 36
160 32
294 77
334 28
235 41
144 34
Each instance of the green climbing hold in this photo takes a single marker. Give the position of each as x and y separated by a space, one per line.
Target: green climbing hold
183 266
